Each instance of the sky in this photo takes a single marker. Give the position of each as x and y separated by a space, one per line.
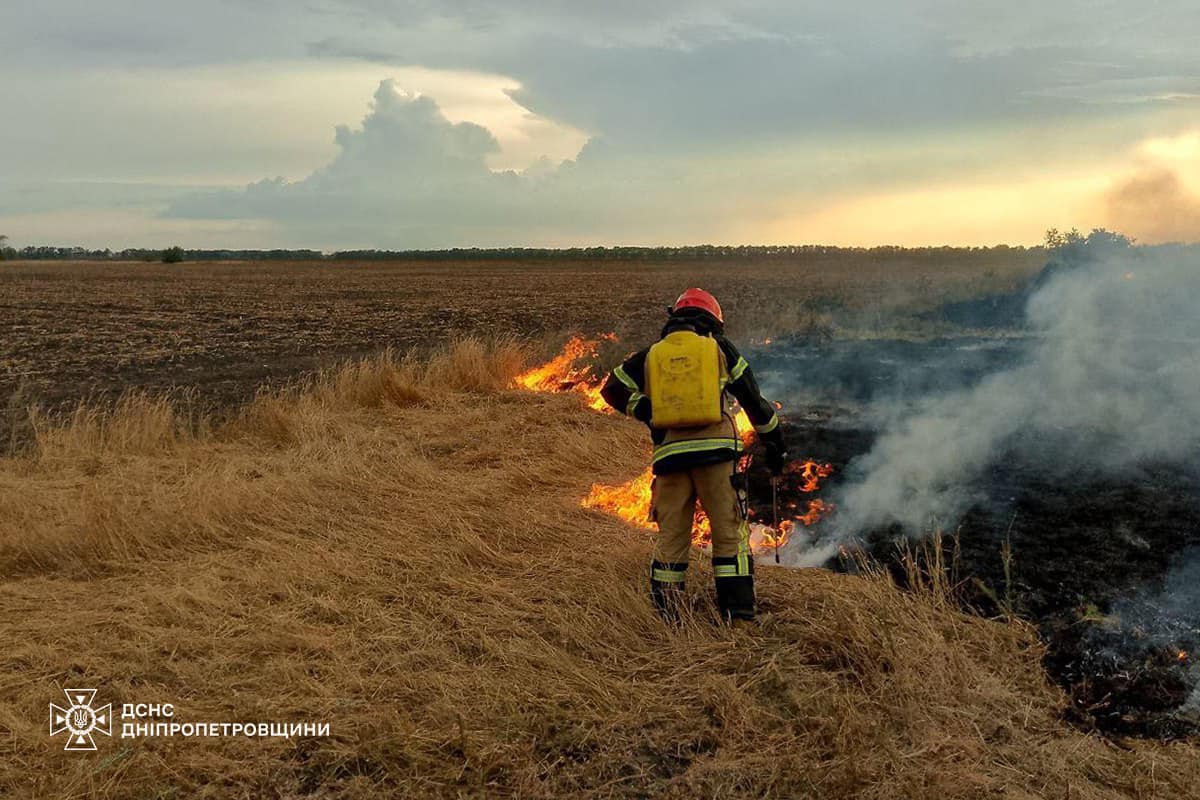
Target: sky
335 124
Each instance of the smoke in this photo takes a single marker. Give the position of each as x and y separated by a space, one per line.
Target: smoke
1167 616
1109 382
1156 206
1165 619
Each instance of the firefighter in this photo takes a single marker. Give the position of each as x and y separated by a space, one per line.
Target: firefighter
680 387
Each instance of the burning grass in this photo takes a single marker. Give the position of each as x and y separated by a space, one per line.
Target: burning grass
573 370
413 566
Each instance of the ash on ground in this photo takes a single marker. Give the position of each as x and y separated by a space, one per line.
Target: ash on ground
1107 568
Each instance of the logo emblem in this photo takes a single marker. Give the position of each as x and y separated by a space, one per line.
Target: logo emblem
79 719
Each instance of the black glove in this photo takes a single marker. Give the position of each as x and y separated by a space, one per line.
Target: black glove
642 411
777 457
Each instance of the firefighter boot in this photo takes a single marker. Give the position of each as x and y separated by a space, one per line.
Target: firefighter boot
735 592
666 587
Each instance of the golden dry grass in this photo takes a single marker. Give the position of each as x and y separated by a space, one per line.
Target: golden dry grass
412 566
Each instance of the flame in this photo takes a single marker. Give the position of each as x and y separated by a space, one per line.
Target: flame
768 541
550 377
630 501
811 473
1182 655
701 530
744 428
591 395
817 510
564 373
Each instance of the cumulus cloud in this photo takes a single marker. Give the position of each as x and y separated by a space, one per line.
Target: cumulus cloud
404 168
410 178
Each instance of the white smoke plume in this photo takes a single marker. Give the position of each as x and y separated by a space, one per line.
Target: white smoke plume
1111 381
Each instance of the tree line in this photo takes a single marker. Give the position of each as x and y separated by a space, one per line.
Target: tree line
169 255
690 253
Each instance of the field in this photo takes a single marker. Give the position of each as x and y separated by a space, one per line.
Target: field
397 546
85 329
398 550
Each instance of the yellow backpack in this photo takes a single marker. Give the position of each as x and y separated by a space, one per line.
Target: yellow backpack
683 380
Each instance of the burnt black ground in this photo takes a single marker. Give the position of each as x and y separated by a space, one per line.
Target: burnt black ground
1107 567
1089 558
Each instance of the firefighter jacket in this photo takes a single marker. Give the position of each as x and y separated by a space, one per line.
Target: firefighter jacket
685 448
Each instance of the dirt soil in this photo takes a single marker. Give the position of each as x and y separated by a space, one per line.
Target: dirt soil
222 330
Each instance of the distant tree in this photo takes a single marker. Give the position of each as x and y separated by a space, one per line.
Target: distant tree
1101 237
6 252
172 255
1056 239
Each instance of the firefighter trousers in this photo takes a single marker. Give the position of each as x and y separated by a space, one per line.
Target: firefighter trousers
673 504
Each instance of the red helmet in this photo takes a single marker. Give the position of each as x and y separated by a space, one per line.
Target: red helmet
698 298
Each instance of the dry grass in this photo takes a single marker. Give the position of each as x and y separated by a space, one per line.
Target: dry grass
413 567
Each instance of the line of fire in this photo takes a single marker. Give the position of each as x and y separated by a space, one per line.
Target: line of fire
572 370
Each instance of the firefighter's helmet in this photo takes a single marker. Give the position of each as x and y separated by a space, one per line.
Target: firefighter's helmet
698 298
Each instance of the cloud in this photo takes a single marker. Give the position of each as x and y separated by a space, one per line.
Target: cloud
709 118
407 136
410 178
681 72
407 168
718 73
227 125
